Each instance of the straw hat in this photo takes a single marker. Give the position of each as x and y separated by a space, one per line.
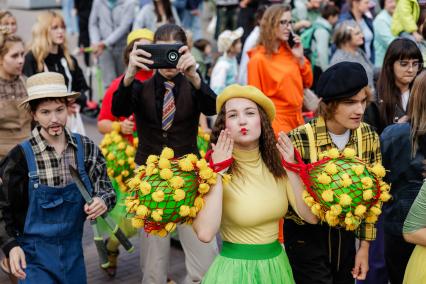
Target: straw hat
47 85
227 37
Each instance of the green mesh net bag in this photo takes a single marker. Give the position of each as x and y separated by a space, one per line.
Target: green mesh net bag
203 140
168 191
341 189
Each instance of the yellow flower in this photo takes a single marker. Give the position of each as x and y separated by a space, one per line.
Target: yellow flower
378 170
117 139
121 162
184 211
178 195
130 160
133 183
121 146
164 163
119 179
192 157
385 196
157 215
110 157
206 173
384 186
166 174
151 159
145 188
305 194
116 126
199 203
137 223
358 169
346 182
212 181
331 168
202 164
309 201
322 155
349 220
324 178
135 142
123 187
150 169
345 200
367 194
360 210
203 188
315 209
158 196
142 211
375 210
331 219
206 137
104 151
130 151
186 165
170 227
371 219
367 182
167 153
327 195
162 233
192 212
335 209
176 182
202 153
333 153
349 153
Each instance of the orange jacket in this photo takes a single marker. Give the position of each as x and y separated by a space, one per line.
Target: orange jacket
280 77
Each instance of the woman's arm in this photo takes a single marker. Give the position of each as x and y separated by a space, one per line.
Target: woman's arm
414 230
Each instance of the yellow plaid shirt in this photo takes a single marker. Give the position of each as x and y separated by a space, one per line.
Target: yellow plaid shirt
370 154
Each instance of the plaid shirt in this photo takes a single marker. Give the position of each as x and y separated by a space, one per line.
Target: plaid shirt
52 168
371 154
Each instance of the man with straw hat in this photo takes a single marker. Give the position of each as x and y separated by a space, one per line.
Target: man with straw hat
42 210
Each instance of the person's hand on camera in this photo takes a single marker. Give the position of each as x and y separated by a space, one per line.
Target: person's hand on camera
188 66
138 59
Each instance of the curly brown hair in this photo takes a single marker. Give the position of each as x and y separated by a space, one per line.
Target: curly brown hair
267 142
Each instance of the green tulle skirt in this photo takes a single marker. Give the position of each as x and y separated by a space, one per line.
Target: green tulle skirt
250 264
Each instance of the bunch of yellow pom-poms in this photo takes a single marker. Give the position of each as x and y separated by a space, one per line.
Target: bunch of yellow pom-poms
168 191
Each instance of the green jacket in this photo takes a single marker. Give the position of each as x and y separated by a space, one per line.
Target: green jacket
405 17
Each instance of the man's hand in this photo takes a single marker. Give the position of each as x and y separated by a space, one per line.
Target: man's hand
138 59
127 126
96 209
360 270
188 67
17 262
98 49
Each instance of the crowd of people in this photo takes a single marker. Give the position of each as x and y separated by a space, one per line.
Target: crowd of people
269 80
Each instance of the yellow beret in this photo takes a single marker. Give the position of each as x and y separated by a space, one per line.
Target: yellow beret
247 92
140 34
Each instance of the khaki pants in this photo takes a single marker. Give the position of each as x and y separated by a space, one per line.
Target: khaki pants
155 256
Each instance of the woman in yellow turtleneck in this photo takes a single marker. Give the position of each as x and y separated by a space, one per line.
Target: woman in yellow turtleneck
247 210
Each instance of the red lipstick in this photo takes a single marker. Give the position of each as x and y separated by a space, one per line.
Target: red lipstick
243 131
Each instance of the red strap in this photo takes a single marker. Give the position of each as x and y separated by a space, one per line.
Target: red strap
218 167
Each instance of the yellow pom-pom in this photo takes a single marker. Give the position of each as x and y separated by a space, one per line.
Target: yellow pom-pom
178 195
206 173
130 160
104 151
133 183
367 182
349 219
324 178
349 153
145 188
199 203
116 126
333 153
192 157
203 188
110 157
309 201
121 162
192 212
345 200
130 151
202 164
176 182
331 168
184 211
142 211
137 223
117 139
164 163
158 196
121 146
371 219
150 170
212 181
166 174
378 170
167 153
162 233
186 165
157 215
375 210
151 159
331 219
135 142
335 209
358 169
327 195
315 209
360 210
346 182
170 227
367 194
384 186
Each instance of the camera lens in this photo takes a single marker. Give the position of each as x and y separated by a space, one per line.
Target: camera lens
173 56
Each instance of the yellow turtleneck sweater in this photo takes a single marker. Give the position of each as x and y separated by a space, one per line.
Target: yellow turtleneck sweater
253 201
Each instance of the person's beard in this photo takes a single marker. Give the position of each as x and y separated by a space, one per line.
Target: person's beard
55 129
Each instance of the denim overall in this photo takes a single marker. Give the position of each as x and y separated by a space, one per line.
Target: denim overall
54 227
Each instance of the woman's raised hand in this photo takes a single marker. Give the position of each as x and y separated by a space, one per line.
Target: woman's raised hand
286 148
222 150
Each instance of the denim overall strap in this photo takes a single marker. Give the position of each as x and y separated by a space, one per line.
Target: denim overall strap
31 162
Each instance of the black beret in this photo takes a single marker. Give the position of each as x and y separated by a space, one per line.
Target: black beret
342 80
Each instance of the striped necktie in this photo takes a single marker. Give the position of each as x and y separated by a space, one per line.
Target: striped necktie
169 107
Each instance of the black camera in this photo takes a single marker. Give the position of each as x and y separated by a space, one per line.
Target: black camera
163 55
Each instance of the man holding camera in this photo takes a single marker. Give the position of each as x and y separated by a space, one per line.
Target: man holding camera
167 109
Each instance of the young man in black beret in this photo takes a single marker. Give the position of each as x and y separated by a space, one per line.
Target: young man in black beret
319 253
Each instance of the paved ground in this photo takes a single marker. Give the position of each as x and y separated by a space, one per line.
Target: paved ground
128 271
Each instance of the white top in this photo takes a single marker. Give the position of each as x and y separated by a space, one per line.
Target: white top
340 140
250 42
404 99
